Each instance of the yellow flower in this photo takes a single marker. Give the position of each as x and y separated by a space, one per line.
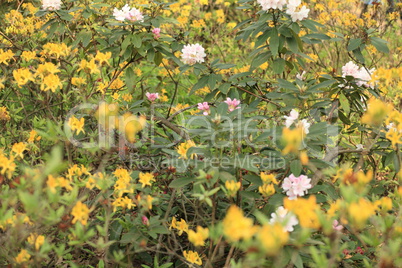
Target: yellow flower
58 50
33 136
149 201
18 149
78 81
23 256
4 115
305 209
376 112
28 55
130 125
5 56
181 225
22 76
51 82
385 203
123 202
268 178
80 213
236 226
46 69
146 179
334 208
89 67
198 238
192 257
76 125
37 240
127 97
102 58
360 211
183 148
292 139
7 165
272 238
303 158
394 136
107 115
267 190
232 187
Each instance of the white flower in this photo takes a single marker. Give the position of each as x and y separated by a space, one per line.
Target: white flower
361 74
300 76
127 13
285 218
306 125
350 69
293 116
359 146
298 15
293 4
192 54
274 4
51 4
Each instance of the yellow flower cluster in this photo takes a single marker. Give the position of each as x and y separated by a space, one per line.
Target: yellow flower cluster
232 187
306 210
180 226
236 226
80 213
183 148
4 115
198 238
7 165
77 125
192 257
268 180
53 183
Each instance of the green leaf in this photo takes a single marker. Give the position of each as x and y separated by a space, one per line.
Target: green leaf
354 43
287 85
136 39
274 42
344 103
181 182
296 167
358 54
379 44
279 65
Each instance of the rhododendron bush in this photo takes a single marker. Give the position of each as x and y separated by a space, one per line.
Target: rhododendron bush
251 133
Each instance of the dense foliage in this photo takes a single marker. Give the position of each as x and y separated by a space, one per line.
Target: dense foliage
250 133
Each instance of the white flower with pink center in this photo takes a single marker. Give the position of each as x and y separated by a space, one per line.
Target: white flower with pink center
152 96
285 218
192 54
203 106
127 13
350 69
296 186
232 104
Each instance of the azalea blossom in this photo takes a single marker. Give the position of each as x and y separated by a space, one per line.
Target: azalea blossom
299 15
232 104
306 125
203 106
336 226
284 217
51 5
127 13
301 76
152 96
293 116
274 4
362 74
192 54
156 32
296 186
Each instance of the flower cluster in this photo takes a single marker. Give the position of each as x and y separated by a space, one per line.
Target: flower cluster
296 15
203 106
291 5
296 186
192 54
362 74
51 5
233 104
127 13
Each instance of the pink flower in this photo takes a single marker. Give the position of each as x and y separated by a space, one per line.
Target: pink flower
296 186
145 220
232 104
204 107
156 32
127 13
152 96
336 226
